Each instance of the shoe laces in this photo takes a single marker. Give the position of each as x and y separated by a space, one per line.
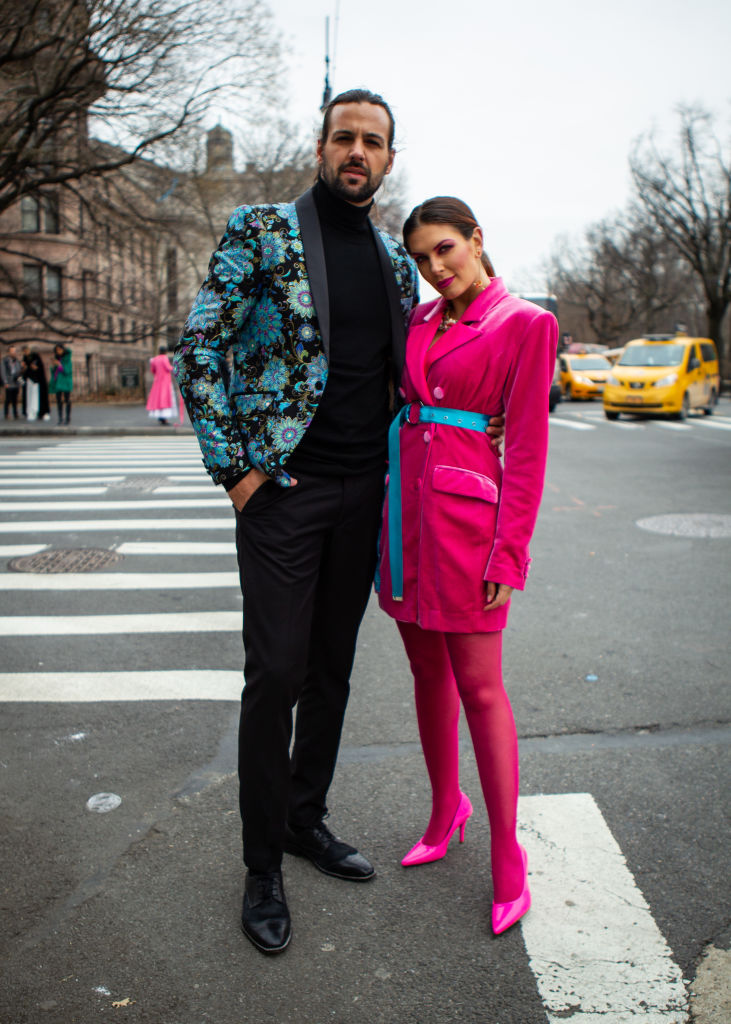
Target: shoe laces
269 887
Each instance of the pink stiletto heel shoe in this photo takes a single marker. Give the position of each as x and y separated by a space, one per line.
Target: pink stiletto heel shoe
506 914
423 853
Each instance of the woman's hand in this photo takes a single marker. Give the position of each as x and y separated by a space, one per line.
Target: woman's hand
498 594
495 430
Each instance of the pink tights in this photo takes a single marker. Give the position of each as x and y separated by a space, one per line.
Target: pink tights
467 667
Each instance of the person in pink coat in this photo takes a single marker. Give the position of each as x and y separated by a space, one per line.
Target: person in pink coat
457 523
160 400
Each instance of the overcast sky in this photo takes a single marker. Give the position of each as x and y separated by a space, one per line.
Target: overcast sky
526 109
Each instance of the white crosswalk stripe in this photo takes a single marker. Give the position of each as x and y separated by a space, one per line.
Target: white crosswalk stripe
571 424
115 525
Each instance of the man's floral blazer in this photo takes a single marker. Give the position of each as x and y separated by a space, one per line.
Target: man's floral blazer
266 298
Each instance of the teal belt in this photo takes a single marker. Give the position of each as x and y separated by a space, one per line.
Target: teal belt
414 413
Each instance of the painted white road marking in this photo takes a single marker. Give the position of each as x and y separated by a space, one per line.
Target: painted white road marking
572 424
98 474
715 424
90 625
53 687
20 550
38 480
111 462
594 948
117 581
99 525
206 488
623 425
164 547
672 426
53 492
114 505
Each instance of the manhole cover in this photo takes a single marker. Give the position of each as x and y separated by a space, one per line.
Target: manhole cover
66 560
692 524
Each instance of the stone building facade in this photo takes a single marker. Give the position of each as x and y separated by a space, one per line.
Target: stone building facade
110 268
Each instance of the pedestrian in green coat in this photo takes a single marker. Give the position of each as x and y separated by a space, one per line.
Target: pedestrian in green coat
62 382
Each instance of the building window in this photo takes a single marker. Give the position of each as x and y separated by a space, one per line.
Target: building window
30 214
40 214
33 287
122 327
53 291
51 219
110 329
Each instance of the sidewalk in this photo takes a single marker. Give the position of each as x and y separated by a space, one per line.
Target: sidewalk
100 418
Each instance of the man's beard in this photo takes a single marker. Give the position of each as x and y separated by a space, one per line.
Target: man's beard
368 188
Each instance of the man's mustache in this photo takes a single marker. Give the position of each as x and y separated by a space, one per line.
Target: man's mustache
351 165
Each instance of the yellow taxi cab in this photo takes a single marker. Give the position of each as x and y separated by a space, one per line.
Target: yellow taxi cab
664 374
583 376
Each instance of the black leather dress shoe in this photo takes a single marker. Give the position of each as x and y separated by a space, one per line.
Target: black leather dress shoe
329 854
265 916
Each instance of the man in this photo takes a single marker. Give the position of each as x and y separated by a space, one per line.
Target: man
313 301
10 374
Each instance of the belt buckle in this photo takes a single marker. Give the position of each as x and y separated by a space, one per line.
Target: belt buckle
414 412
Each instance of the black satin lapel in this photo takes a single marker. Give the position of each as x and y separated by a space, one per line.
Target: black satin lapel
315 263
398 334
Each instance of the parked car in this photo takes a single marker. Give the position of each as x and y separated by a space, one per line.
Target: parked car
583 376
664 374
554 395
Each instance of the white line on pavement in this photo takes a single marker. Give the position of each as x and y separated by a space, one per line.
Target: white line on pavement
594 947
37 479
54 492
672 426
181 488
122 686
117 581
90 625
98 474
72 526
627 426
716 424
113 506
111 462
573 424
174 548
20 550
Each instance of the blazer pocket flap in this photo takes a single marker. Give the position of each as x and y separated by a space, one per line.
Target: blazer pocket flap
453 480
248 402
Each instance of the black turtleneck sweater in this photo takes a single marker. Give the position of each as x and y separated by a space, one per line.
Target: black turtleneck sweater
348 434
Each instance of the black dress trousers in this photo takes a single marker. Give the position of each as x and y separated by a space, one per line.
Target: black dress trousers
307 557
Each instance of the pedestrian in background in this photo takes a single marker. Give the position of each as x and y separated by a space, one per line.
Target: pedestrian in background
37 407
160 402
62 382
457 526
10 376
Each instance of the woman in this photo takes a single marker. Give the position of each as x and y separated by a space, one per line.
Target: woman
160 400
457 525
36 388
62 382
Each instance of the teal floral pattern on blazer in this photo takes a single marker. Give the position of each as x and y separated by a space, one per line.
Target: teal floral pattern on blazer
257 301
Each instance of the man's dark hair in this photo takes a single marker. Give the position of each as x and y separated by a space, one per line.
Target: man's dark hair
357 96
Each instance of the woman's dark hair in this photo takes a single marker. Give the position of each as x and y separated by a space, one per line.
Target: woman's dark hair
357 96
446 210
162 349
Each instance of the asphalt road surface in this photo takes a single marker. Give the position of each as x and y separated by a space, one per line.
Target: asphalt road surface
120 677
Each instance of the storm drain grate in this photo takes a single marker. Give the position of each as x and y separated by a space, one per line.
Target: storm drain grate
139 483
66 560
